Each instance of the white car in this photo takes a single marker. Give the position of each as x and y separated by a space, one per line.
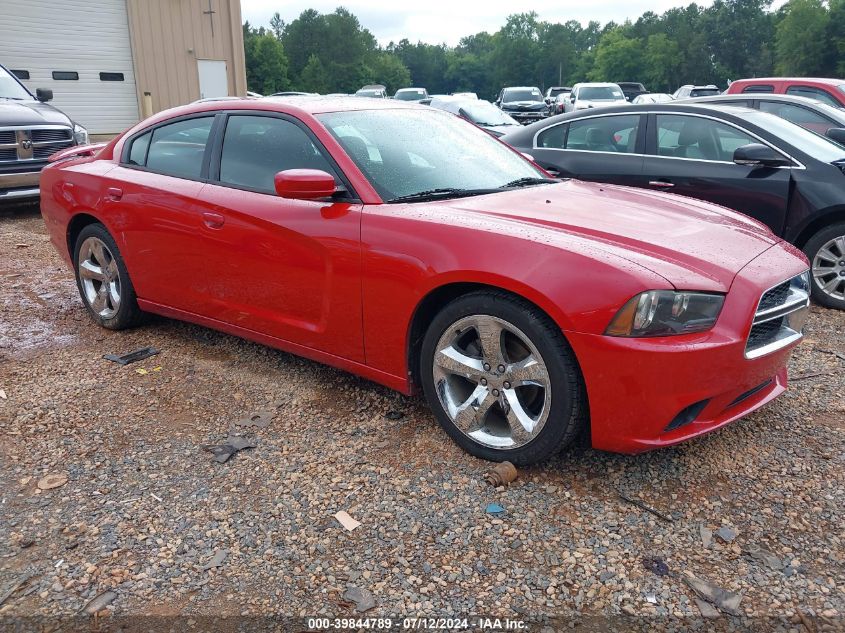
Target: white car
595 95
653 97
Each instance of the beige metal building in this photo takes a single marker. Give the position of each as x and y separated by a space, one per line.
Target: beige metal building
113 62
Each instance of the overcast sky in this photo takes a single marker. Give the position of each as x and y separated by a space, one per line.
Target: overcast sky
436 21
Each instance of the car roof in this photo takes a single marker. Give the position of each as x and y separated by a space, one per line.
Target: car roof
769 96
819 80
595 84
521 88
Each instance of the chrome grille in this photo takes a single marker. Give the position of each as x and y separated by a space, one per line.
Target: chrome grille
780 316
35 143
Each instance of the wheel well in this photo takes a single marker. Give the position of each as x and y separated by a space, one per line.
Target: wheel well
77 223
428 308
819 223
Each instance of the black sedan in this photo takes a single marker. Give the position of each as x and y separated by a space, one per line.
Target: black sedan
744 159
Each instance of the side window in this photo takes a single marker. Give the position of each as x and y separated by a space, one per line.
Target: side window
804 117
759 88
138 151
694 137
256 148
553 137
813 93
177 149
617 134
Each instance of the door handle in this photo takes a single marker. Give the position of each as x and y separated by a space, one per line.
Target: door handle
213 220
663 184
113 193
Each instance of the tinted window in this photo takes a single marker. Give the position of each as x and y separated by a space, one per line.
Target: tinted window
138 151
553 137
695 137
759 88
616 134
256 148
599 93
177 149
804 117
704 92
813 93
528 94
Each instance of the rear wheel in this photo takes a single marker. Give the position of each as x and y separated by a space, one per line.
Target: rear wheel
826 252
501 379
103 280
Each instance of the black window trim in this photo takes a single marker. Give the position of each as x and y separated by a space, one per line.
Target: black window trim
216 155
127 144
751 89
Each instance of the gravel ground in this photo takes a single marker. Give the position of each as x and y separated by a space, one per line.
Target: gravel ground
147 513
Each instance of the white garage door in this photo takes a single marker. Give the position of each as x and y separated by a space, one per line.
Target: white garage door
78 48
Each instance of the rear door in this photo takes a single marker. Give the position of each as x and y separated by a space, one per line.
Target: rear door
692 155
150 201
602 148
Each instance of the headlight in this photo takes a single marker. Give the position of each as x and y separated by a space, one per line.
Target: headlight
80 134
666 312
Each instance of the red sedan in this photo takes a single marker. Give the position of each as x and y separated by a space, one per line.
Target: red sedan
407 246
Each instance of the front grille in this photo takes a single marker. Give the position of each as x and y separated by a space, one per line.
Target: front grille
45 151
43 136
774 297
7 136
9 154
780 316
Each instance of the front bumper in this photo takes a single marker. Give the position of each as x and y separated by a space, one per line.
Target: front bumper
649 393
19 185
527 117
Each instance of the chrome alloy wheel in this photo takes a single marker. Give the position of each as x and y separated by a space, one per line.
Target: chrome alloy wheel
99 277
492 382
829 268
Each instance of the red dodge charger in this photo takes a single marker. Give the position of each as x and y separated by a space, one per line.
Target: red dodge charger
405 245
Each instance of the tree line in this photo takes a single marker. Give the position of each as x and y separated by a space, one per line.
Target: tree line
730 39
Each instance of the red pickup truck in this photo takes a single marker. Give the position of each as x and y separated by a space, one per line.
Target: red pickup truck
830 91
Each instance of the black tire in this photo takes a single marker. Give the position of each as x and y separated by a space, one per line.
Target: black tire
127 314
811 249
568 408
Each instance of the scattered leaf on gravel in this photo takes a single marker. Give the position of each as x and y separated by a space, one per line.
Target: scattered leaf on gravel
394 415
764 556
48 482
362 598
217 559
346 521
707 609
132 357
724 600
656 565
706 536
726 534
100 602
233 444
260 419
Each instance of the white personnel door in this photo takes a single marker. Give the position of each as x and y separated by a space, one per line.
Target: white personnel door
214 80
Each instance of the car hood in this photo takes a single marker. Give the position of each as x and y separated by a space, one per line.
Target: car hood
693 245
30 113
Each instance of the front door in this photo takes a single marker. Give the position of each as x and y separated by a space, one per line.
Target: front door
693 156
287 268
214 80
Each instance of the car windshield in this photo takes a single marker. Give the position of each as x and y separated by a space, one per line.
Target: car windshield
368 93
11 89
527 94
819 147
704 92
409 153
553 92
598 93
485 113
410 95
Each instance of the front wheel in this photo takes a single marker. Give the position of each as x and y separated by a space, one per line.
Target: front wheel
826 252
501 379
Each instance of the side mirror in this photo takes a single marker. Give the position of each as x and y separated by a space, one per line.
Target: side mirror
43 94
759 154
571 98
836 134
304 184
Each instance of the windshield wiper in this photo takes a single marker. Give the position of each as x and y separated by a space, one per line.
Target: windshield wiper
443 192
527 182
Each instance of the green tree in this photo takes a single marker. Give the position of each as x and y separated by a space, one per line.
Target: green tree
800 43
834 65
266 62
618 57
661 63
388 70
313 77
277 25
